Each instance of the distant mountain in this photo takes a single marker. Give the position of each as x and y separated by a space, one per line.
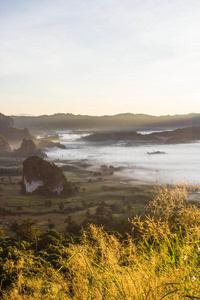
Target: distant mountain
121 137
24 115
28 148
181 135
177 136
10 132
117 122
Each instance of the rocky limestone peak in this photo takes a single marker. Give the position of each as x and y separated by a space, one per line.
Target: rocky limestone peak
28 148
44 178
47 143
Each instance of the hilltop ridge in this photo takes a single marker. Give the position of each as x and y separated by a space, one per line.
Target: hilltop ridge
129 121
10 132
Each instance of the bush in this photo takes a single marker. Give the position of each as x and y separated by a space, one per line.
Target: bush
162 261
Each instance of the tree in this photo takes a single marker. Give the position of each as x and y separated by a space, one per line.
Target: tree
27 230
61 205
51 225
49 238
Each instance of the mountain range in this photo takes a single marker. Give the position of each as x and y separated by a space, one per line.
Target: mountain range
126 121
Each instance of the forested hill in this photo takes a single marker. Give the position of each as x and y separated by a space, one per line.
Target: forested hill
10 132
120 121
181 135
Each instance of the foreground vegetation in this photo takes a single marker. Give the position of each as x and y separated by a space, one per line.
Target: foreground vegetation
160 259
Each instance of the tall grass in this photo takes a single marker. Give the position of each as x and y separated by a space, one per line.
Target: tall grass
161 262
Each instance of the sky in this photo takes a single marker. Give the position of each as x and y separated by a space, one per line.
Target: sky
99 57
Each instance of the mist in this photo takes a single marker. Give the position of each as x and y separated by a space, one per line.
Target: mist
179 162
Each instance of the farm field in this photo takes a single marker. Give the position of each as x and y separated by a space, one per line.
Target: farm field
102 196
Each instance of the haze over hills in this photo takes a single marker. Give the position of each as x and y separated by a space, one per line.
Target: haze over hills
181 135
127 121
10 132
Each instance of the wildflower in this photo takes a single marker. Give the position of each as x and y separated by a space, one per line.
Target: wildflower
193 279
199 250
174 235
184 257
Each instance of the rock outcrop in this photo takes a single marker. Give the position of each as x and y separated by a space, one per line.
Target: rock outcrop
44 178
47 143
28 148
10 132
4 147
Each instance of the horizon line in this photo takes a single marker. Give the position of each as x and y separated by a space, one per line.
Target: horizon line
98 116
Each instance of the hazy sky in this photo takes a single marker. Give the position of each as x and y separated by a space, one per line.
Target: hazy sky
99 56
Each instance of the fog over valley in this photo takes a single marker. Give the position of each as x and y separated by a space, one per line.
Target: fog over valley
178 162
153 156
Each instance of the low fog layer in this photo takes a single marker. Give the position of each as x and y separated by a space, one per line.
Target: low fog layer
179 163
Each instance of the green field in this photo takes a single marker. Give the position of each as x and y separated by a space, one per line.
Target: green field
103 198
